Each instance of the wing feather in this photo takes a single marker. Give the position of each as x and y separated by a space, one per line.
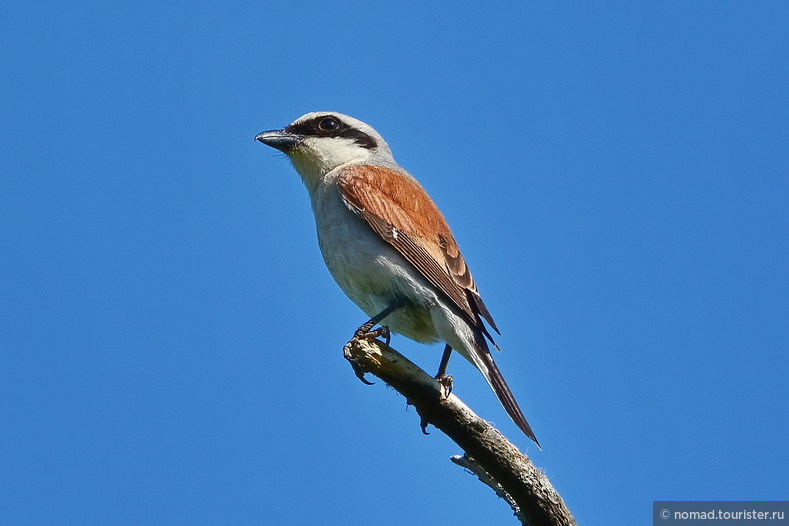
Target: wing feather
399 210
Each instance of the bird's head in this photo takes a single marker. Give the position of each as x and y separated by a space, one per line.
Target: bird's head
319 142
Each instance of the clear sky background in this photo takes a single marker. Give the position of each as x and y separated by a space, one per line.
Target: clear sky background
617 175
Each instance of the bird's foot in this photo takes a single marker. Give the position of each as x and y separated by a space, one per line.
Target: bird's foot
357 367
366 332
445 383
359 371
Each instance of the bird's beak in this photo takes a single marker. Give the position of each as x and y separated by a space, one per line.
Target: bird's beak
279 139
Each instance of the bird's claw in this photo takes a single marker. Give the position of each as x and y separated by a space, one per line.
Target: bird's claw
445 382
359 371
366 332
357 367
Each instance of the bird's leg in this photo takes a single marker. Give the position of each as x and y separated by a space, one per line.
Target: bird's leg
366 332
444 379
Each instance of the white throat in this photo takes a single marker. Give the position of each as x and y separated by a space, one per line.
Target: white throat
317 156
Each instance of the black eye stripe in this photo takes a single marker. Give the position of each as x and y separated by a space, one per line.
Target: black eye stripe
319 127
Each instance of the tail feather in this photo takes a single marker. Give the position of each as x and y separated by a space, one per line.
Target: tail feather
503 393
482 360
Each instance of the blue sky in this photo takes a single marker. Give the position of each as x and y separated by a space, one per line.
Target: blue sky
170 353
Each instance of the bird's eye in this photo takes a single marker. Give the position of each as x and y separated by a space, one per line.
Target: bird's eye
328 124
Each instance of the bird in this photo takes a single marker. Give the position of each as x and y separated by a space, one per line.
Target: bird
388 246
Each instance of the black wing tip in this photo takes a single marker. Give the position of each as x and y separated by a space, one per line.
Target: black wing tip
481 309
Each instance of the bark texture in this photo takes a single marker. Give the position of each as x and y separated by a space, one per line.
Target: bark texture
488 454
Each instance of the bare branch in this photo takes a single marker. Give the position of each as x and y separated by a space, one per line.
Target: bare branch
469 464
496 460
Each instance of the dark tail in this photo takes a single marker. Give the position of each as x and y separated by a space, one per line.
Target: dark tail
502 390
483 361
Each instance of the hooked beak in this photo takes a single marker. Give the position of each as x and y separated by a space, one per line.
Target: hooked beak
279 139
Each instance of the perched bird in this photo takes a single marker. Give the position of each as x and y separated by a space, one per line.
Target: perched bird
387 245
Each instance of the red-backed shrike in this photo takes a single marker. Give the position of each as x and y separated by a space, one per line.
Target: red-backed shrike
386 243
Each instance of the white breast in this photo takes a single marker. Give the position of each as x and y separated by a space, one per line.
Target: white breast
370 272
